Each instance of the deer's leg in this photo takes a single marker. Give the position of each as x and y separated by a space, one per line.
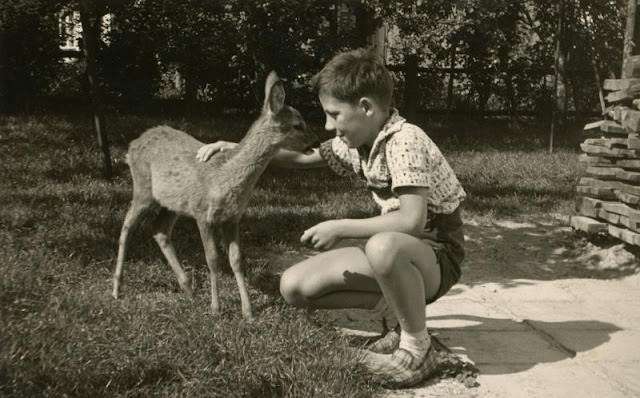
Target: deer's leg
163 227
212 255
231 232
131 220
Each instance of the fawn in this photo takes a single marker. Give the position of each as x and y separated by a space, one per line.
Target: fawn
165 171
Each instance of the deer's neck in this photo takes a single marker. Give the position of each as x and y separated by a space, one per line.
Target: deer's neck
255 152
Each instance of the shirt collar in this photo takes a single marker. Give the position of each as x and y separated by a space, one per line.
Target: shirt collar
391 126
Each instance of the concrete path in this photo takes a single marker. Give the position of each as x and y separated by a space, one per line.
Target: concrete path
540 313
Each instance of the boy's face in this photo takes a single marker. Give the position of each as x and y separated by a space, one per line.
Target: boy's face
352 122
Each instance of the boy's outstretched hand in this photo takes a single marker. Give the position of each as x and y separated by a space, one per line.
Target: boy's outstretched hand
322 236
206 151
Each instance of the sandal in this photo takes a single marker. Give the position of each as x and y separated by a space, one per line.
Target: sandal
401 369
388 343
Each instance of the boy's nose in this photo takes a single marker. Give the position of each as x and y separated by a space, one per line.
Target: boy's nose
328 125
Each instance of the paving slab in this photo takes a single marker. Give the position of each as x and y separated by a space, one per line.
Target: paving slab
458 313
551 380
603 290
600 345
627 374
553 346
625 312
569 314
525 290
520 349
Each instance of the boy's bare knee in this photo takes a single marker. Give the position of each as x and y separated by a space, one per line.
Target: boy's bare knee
381 250
290 289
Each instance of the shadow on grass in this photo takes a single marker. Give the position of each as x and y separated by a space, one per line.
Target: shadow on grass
90 170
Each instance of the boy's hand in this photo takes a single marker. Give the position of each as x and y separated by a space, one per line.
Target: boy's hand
322 236
206 151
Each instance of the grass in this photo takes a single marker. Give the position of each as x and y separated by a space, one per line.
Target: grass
61 333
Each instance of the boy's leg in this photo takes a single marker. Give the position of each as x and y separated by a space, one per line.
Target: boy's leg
400 265
340 278
407 272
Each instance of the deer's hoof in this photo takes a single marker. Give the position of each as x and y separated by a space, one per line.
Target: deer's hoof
187 289
248 316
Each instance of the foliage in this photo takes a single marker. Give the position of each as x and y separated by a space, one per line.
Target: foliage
507 48
220 51
29 58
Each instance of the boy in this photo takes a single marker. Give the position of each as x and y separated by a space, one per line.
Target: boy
412 250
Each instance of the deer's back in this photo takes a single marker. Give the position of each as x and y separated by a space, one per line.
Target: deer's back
177 180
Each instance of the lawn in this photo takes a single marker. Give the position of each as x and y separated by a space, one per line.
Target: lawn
61 332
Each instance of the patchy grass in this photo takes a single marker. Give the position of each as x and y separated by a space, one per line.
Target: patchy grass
61 333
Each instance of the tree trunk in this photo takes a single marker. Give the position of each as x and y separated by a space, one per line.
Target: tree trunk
411 86
4 71
593 54
509 89
365 25
631 37
335 25
91 18
190 93
483 98
511 99
452 65
558 115
379 42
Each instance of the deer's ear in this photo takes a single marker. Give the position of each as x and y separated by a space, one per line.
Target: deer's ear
274 94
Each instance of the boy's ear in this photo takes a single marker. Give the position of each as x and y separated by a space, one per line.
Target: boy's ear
367 105
273 94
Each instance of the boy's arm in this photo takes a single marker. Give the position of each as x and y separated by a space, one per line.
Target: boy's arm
410 218
293 159
284 158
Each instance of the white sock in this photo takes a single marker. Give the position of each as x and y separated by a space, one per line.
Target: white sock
417 343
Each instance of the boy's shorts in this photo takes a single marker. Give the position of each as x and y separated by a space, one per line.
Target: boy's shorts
445 234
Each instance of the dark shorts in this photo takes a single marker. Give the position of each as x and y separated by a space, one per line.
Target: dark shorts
445 234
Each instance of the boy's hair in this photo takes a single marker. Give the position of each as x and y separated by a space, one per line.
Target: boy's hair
354 74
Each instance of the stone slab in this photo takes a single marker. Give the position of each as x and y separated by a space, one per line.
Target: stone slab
599 290
572 315
461 313
627 375
600 345
526 290
558 380
520 349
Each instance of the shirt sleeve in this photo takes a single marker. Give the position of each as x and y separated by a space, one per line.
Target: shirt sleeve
409 161
336 153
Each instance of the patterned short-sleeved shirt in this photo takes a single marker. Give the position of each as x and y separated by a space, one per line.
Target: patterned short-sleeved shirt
402 155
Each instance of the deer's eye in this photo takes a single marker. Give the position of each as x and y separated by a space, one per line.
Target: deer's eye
298 127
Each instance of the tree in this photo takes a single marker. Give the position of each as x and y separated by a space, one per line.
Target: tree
91 12
28 51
